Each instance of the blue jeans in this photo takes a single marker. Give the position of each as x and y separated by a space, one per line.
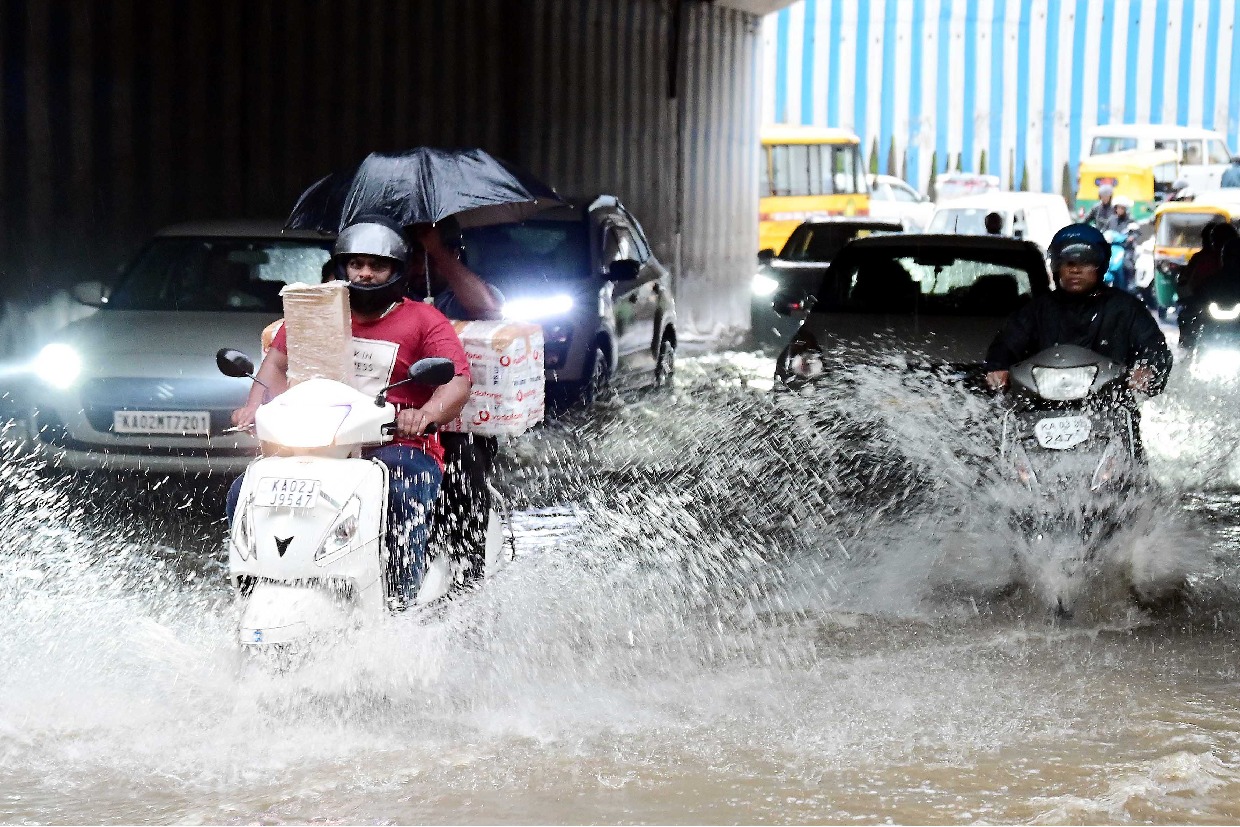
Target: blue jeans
413 483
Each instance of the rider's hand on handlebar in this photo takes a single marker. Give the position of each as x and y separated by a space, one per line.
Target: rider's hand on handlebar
412 422
243 418
997 380
1141 379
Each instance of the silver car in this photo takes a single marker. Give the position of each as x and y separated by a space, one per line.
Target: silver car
135 386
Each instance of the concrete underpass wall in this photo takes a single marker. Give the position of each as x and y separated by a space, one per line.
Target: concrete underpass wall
118 118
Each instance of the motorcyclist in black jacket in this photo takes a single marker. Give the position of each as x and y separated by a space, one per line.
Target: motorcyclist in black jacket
1085 312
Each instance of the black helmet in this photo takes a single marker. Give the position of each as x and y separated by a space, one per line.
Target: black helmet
1079 243
379 237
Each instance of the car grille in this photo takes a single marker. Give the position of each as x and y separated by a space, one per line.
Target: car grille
101 398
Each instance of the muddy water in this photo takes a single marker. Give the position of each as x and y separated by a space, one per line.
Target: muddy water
722 612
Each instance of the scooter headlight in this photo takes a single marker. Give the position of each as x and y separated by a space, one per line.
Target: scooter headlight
1022 468
340 536
243 532
1110 467
1060 384
1224 314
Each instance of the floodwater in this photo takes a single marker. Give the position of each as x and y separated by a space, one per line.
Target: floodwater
723 610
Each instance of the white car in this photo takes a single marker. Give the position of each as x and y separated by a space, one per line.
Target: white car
894 199
135 385
1032 216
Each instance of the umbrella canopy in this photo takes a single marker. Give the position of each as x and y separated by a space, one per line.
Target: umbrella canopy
423 185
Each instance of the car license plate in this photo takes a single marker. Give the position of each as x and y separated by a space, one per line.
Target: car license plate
1062 432
176 423
287 492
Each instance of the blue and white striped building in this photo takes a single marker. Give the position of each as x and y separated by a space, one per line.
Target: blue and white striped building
1020 79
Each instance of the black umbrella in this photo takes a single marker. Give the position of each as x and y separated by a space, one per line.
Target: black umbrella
423 185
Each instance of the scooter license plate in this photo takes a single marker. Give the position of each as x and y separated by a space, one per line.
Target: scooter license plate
287 492
1062 432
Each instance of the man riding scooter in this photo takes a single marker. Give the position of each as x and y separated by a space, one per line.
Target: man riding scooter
392 332
1085 312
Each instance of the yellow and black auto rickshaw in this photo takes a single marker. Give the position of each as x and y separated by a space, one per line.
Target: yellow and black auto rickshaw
1177 236
1145 176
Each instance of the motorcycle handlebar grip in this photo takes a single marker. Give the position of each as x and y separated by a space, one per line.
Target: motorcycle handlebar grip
430 428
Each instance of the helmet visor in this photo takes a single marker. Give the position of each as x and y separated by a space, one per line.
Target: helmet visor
1079 254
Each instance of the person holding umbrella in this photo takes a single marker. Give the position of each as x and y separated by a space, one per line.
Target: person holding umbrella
391 332
459 521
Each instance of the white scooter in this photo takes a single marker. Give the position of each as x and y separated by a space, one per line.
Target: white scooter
307 553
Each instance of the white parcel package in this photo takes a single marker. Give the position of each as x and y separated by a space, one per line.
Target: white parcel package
506 360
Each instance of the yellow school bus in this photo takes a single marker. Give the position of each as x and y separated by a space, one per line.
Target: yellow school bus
807 173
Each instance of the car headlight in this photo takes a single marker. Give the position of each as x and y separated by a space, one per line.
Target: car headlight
764 285
1221 314
540 307
1210 364
58 365
1060 384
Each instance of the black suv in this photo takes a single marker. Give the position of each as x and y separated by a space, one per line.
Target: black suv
586 273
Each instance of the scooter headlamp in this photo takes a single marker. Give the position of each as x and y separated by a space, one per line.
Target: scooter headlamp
1062 384
340 535
243 531
1224 314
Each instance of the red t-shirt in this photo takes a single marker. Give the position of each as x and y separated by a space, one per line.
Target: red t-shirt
384 349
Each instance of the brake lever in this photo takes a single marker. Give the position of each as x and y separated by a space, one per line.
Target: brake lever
239 429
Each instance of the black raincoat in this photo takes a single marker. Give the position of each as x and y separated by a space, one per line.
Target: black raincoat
1107 321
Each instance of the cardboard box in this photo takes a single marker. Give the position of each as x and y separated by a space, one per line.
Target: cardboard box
319 331
508 395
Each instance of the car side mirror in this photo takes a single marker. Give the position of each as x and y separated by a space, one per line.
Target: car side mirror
766 256
233 363
90 293
626 269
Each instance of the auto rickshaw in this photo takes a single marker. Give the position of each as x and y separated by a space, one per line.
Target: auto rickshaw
1145 176
1177 237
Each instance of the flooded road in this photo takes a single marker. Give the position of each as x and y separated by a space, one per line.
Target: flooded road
723 610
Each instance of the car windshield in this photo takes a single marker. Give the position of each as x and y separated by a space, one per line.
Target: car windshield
1183 229
941 283
547 250
820 242
214 274
961 221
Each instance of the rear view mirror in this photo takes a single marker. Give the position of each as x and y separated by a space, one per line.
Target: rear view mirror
90 293
626 269
766 256
233 363
434 370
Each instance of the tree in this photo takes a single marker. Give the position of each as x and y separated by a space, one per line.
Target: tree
959 162
904 166
1024 178
981 163
934 174
874 157
1066 188
1011 181
891 157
